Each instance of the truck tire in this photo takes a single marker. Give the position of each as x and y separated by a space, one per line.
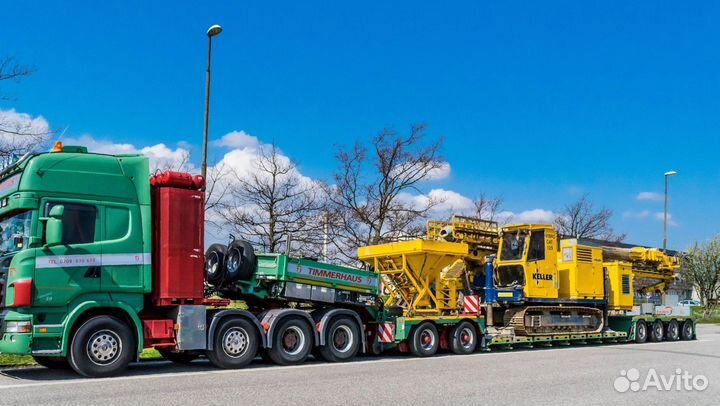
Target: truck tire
52 362
240 261
641 332
235 344
463 338
292 341
424 340
102 346
687 330
342 340
672 331
657 331
179 357
215 263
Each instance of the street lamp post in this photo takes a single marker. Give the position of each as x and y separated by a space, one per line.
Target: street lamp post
211 32
667 175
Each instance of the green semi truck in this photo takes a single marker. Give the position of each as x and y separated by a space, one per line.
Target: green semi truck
99 260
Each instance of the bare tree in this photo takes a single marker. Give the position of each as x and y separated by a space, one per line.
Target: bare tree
178 165
18 134
701 267
274 203
487 208
580 220
10 70
370 200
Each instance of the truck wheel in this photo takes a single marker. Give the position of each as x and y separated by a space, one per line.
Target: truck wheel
641 332
672 332
342 340
235 344
240 261
424 340
291 342
656 331
686 333
463 338
102 346
215 263
178 357
52 362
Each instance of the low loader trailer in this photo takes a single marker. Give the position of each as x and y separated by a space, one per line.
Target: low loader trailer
99 260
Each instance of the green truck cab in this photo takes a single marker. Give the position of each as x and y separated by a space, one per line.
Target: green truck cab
75 241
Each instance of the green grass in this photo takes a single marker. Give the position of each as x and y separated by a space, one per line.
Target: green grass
9 360
697 312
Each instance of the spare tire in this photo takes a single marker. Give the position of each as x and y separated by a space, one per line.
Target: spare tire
215 263
240 261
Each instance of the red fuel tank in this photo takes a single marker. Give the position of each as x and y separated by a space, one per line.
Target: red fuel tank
178 241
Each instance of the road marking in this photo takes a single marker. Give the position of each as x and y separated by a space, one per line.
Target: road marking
274 368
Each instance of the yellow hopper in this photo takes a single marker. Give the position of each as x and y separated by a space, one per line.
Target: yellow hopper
413 272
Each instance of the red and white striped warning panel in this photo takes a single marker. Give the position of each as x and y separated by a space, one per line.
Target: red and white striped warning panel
471 304
386 332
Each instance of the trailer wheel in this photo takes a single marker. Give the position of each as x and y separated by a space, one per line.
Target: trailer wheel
235 344
52 362
657 331
463 338
672 332
641 332
102 346
342 340
240 261
215 263
424 340
292 341
179 357
686 333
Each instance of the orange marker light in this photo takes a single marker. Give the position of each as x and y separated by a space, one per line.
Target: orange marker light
57 147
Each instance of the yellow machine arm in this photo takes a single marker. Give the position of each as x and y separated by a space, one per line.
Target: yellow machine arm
647 263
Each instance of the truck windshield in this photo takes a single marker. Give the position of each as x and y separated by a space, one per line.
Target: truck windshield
14 232
513 246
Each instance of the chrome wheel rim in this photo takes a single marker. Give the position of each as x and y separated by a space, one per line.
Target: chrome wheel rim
641 331
293 340
235 342
104 347
466 337
427 339
342 338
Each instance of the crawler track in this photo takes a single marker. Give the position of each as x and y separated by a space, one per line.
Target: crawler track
544 320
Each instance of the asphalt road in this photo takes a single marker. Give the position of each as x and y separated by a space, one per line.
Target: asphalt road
577 375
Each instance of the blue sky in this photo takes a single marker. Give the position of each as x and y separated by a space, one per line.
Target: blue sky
538 102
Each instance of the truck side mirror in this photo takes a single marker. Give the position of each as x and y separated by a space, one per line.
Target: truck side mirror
54 226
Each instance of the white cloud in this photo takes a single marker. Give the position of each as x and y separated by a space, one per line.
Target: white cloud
21 130
529 216
445 200
649 196
237 139
636 214
13 121
441 172
161 156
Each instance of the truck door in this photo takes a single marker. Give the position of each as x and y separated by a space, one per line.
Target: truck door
542 266
123 259
66 271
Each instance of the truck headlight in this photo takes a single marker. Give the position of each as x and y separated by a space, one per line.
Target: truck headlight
18 327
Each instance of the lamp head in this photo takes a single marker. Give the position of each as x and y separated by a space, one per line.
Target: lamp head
214 30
